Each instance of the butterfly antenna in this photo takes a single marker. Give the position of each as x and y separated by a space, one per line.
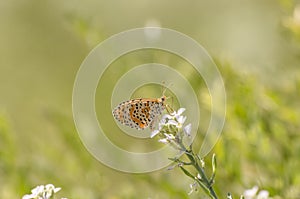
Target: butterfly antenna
165 88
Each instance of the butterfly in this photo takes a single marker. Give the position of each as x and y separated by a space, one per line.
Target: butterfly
140 113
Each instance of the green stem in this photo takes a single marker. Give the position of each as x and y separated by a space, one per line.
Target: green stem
204 179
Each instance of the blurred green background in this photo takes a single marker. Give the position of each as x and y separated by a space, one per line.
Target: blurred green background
256 45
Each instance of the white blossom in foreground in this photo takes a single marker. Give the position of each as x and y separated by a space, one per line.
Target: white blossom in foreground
254 194
42 192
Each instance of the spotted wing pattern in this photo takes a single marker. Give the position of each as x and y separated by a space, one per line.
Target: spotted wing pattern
139 113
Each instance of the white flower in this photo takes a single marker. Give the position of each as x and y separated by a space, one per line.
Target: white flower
50 187
168 138
42 192
187 129
49 190
181 119
175 118
263 194
165 118
251 193
171 129
154 133
180 111
34 192
172 122
27 196
164 140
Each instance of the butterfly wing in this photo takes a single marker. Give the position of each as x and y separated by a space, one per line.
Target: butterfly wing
122 114
138 113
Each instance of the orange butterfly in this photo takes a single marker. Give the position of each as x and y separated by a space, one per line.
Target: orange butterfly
140 113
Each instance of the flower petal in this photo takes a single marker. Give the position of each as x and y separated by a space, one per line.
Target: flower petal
169 136
164 140
181 119
49 186
263 194
154 133
250 193
166 116
187 129
57 189
27 196
37 189
172 122
180 111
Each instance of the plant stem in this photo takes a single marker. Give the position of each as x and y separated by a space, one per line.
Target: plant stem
201 172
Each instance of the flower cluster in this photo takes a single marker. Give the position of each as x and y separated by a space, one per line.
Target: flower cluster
171 129
42 192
